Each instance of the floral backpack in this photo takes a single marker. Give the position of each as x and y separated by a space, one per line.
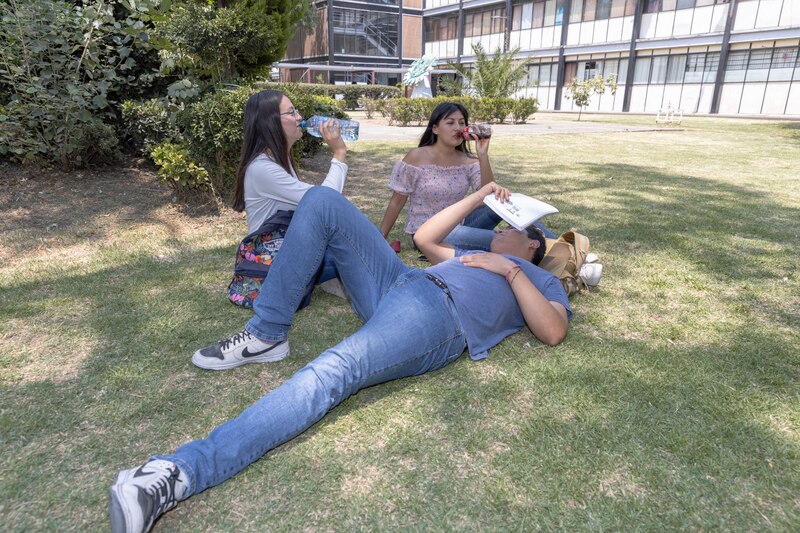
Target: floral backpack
254 256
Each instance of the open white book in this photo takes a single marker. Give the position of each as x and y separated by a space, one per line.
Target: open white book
520 211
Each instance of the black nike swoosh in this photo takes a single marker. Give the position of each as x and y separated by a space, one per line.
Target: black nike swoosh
140 472
248 353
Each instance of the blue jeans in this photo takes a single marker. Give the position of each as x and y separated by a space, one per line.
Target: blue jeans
327 271
411 327
477 231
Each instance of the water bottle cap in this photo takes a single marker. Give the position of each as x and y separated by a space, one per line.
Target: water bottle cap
303 124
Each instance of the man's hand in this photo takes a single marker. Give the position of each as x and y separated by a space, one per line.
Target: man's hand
501 193
488 261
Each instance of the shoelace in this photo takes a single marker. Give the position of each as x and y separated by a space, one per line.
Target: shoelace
236 339
164 490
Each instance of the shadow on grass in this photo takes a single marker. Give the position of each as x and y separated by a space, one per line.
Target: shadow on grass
670 414
791 130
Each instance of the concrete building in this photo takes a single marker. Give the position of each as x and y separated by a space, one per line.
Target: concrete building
378 36
698 56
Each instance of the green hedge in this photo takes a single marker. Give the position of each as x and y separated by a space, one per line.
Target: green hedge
351 94
199 146
405 111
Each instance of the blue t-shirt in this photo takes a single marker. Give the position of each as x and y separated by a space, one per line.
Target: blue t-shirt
485 302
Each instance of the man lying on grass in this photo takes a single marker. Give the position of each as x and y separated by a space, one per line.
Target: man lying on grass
415 321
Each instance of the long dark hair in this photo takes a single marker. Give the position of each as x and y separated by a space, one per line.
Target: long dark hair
263 133
442 111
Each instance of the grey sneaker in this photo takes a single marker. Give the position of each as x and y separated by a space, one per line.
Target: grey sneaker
334 286
142 494
238 350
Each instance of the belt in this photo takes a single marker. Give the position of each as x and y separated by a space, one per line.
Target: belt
439 283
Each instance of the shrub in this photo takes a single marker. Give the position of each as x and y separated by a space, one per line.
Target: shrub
524 108
369 105
212 132
176 168
212 128
404 111
149 123
97 142
229 39
351 94
493 109
62 64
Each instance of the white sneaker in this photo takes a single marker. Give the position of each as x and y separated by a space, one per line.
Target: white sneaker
591 257
238 350
142 494
590 273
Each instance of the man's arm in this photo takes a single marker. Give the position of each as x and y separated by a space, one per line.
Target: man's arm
547 320
430 236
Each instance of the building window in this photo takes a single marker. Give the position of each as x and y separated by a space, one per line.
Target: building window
641 76
589 10
366 33
590 70
516 17
784 61
440 28
617 9
784 58
603 9
659 70
738 60
701 67
543 75
760 59
576 11
484 22
652 6
536 14
676 68
570 72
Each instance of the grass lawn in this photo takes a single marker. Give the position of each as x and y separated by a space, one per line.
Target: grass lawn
673 404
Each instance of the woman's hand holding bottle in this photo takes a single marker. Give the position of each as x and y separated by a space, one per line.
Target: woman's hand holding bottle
332 137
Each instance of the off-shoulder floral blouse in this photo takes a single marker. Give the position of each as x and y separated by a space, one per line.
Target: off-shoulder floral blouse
431 188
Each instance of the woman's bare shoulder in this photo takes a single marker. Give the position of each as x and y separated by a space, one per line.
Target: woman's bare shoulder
418 157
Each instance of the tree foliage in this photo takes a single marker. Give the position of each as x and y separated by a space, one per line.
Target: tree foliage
496 76
231 39
581 92
62 65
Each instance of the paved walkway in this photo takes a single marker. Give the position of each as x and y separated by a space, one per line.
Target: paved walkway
377 129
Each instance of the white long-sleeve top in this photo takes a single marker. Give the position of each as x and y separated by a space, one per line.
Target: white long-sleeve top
268 188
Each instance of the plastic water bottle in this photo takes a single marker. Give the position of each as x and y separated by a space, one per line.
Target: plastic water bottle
348 129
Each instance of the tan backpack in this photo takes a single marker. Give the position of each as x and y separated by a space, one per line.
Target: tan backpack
564 257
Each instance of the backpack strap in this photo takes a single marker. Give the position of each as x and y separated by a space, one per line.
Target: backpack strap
279 220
